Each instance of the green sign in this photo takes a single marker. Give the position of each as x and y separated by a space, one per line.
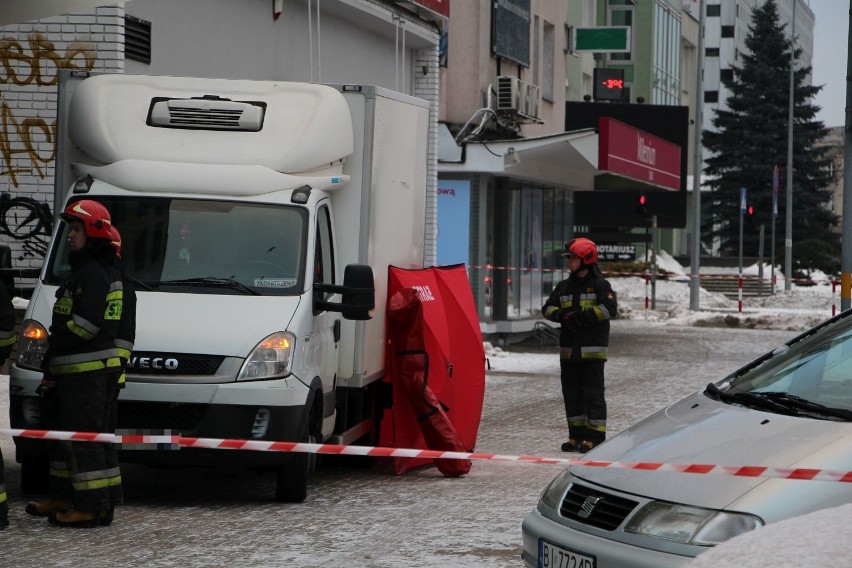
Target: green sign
611 39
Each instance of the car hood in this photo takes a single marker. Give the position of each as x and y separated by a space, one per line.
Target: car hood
230 325
223 324
700 430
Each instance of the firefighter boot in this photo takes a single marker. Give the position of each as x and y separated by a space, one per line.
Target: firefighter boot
74 518
4 520
47 507
571 445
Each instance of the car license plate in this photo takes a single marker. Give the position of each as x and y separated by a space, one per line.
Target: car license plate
552 556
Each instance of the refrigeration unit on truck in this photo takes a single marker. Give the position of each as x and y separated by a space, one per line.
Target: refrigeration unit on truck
258 219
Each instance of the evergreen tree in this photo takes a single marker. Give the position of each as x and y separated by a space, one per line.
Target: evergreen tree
750 138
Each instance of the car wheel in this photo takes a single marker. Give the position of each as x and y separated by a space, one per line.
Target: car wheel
291 484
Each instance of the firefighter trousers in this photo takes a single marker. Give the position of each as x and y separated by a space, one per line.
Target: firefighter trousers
583 395
85 473
4 501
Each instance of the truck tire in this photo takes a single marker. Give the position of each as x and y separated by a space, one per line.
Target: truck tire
291 483
34 475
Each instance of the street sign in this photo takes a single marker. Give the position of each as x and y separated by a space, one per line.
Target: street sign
617 252
743 197
609 39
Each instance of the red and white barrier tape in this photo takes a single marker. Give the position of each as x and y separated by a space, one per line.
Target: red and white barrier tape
229 444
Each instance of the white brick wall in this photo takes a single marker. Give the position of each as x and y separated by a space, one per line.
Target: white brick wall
31 56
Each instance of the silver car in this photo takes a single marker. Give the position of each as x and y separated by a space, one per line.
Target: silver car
791 408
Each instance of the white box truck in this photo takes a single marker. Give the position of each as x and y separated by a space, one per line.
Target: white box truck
258 219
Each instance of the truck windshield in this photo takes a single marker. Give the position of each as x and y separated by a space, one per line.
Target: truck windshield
201 246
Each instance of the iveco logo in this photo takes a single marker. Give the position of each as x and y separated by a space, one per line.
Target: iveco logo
152 363
588 506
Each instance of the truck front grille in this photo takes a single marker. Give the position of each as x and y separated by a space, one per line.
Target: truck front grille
595 508
142 363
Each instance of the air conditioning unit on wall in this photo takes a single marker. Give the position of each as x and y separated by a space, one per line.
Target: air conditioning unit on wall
508 92
529 98
517 97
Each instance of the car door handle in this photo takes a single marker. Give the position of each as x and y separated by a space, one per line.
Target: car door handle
336 331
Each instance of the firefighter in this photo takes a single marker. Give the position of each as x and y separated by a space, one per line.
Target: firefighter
583 304
125 336
82 367
7 340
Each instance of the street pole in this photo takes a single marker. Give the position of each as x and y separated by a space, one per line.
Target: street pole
694 265
846 256
788 234
760 263
653 262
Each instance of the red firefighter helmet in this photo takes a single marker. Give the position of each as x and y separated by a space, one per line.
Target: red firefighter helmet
583 248
115 240
94 216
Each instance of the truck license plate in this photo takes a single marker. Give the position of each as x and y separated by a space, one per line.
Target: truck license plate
552 556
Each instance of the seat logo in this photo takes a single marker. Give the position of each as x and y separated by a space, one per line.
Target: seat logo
588 506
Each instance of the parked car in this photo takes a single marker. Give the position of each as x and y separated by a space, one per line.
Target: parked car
791 408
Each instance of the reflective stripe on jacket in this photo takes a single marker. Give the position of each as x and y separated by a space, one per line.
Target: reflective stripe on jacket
594 298
86 317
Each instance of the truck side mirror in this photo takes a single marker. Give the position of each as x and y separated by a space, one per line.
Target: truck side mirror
358 291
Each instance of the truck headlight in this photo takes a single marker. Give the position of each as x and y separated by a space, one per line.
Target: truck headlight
32 345
271 359
690 525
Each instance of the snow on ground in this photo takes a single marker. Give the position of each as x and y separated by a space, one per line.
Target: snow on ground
797 309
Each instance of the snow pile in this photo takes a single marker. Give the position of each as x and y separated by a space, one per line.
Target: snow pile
797 309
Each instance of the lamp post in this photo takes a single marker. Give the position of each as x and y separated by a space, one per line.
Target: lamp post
788 233
694 265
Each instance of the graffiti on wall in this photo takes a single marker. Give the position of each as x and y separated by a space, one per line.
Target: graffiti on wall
26 220
27 140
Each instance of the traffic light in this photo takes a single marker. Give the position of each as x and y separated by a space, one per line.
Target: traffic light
642 206
750 210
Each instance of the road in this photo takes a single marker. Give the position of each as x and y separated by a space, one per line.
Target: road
370 517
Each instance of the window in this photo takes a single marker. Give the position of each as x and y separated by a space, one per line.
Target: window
174 244
137 39
324 256
727 75
621 14
548 55
727 31
711 96
711 52
667 46
714 10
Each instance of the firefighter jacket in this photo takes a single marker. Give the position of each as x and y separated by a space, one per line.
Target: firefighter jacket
126 333
584 337
7 324
86 315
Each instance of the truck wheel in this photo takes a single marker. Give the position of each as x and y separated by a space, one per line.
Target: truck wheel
34 475
291 483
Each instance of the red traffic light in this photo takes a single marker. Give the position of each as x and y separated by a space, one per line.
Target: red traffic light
750 210
641 200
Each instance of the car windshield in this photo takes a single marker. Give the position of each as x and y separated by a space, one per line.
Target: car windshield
811 377
203 246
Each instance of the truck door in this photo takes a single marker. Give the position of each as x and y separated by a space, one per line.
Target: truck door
327 323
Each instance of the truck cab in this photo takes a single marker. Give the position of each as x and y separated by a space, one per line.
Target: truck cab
255 287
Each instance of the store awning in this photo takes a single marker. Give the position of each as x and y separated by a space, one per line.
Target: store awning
570 160
563 160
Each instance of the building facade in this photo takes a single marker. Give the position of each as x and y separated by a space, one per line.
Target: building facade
390 44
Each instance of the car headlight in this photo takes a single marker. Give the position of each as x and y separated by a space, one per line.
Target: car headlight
552 494
690 525
272 358
32 345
